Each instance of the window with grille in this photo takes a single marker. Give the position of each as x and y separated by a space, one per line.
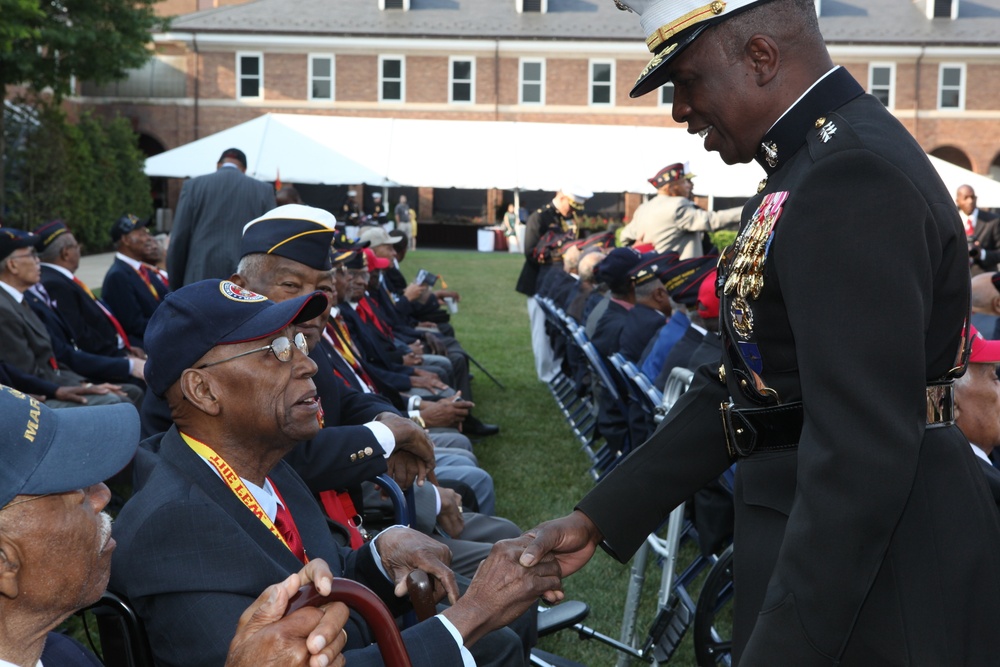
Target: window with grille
951 87
881 83
532 82
462 87
249 75
321 78
391 73
602 82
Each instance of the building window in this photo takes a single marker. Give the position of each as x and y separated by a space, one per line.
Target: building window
462 83
532 82
667 95
321 78
882 83
391 79
951 86
602 82
943 9
249 75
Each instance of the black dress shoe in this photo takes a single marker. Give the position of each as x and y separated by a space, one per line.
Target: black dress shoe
473 427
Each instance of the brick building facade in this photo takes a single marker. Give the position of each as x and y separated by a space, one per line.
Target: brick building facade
933 62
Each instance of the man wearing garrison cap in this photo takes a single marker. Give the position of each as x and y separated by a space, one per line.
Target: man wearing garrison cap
211 212
671 221
865 533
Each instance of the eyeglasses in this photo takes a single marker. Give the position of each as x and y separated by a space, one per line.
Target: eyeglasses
355 274
33 254
281 348
26 500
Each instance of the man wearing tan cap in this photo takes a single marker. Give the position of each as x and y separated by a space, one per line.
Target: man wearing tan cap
864 532
671 221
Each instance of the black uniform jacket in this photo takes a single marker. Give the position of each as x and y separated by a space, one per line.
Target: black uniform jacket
875 541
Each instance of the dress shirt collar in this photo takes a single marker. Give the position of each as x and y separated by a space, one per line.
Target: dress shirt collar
61 269
17 296
266 497
4 663
980 453
134 263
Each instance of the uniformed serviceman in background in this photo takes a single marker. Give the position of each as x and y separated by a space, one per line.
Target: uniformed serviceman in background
553 217
671 221
865 532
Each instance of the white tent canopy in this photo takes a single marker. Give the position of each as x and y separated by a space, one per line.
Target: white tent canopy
336 150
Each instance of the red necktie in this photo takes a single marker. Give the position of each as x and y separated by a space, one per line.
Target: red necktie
969 228
119 329
286 526
340 508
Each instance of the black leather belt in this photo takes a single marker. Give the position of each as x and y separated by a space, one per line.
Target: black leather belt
779 428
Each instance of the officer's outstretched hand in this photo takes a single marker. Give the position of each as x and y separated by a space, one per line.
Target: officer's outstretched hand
571 539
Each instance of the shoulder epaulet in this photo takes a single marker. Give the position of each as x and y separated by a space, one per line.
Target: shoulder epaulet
831 133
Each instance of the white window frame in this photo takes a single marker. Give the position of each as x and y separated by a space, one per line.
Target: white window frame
333 76
402 77
961 88
591 83
892 80
452 81
240 55
520 81
659 96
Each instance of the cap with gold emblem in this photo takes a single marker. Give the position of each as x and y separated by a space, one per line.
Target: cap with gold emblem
671 25
671 174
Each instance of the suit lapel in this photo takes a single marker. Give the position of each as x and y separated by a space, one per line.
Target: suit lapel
193 467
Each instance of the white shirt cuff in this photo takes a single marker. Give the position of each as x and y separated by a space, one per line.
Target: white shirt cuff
384 436
437 501
409 403
467 659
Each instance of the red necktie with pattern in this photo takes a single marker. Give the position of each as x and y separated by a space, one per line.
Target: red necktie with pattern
286 526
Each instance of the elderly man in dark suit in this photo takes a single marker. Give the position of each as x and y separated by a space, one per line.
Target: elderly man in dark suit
865 533
95 329
56 543
208 223
133 286
24 340
216 493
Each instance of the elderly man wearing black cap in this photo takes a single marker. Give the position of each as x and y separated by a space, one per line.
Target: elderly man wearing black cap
133 286
25 343
865 533
211 212
217 514
671 221
56 544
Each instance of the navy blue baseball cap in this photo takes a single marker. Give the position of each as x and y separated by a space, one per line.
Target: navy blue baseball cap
653 267
197 317
683 279
53 451
614 269
11 239
294 231
48 233
126 224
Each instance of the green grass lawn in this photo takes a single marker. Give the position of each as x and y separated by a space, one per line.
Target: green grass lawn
539 470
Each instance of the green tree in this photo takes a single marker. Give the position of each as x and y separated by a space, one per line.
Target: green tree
87 174
45 44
